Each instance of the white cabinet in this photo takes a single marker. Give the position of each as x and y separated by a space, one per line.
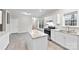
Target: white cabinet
59 38
71 41
52 34
78 43
44 43
36 44
40 43
37 40
66 40
4 41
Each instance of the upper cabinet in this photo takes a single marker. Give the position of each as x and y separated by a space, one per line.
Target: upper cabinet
70 19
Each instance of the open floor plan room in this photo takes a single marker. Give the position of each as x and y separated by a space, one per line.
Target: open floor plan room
39 29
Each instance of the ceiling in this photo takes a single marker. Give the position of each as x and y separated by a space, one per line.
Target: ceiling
30 12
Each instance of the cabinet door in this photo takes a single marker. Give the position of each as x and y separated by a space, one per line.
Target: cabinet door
75 43
44 43
4 41
78 43
40 43
52 34
71 42
36 44
59 38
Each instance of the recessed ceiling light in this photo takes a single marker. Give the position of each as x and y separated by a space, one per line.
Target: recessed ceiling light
25 13
40 10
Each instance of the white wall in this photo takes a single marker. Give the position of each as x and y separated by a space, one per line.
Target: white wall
21 23
25 24
13 26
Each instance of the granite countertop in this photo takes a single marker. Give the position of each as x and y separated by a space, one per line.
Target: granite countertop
37 34
66 32
3 33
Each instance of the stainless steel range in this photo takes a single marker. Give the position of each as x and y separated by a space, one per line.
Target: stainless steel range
48 31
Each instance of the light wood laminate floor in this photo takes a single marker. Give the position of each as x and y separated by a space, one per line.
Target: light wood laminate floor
54 46
18 43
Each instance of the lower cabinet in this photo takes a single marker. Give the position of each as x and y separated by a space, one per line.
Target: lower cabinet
40 43
4 41
60 38
68 41
78 44
71 41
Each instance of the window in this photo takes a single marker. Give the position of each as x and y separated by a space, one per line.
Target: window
71 19
0 17
1 26
41 23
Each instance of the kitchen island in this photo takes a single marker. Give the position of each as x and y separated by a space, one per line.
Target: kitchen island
39 40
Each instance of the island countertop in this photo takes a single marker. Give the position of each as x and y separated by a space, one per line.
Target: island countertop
37 34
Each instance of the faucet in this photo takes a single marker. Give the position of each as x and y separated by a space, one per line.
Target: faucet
68 29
